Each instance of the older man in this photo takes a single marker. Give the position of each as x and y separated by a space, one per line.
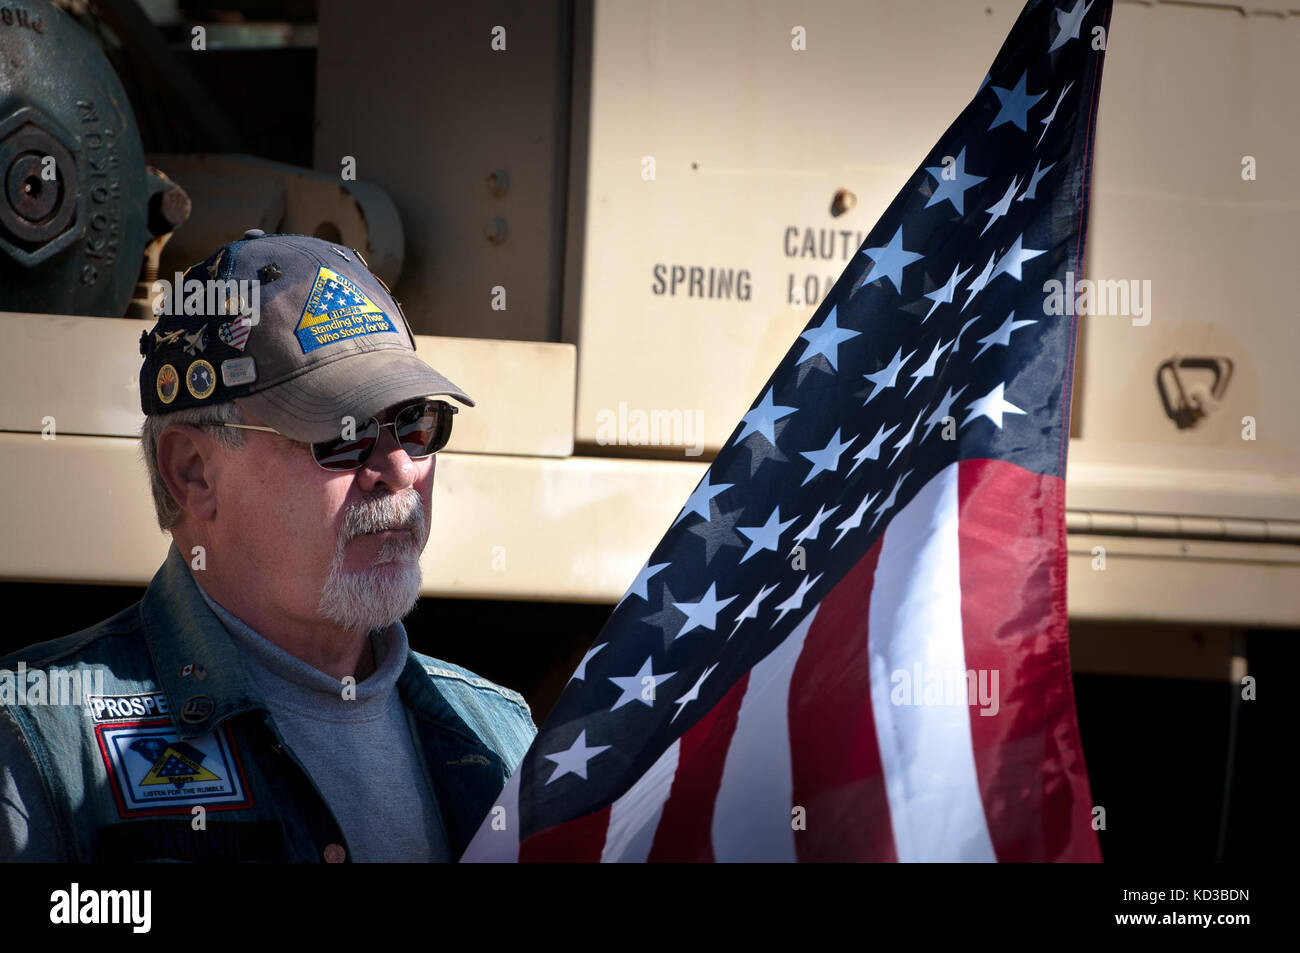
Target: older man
261 701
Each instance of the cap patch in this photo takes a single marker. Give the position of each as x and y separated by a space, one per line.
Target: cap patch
168 382
337 310
200 380
237 371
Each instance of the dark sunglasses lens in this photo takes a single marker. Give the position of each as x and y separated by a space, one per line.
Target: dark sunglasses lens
424 429
345 454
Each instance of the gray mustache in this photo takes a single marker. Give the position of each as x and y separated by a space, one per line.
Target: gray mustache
404 512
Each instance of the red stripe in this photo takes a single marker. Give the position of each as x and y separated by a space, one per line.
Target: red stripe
685 832
577 841
835 758
1028 756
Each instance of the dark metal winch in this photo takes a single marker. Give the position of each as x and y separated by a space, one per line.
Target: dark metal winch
74 190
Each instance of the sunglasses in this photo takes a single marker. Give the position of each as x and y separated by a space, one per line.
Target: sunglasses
421 429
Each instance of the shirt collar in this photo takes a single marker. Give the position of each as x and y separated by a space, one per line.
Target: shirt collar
201 671
198 666
296 684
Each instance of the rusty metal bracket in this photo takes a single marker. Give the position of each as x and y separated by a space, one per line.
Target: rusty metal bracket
1186 406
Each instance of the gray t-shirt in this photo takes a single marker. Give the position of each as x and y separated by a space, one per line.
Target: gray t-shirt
359 751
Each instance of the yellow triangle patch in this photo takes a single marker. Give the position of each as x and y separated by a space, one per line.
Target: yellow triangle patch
179 769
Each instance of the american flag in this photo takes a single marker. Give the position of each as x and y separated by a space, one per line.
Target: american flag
851 643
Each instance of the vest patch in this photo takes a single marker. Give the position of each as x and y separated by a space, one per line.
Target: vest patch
153 772
126 707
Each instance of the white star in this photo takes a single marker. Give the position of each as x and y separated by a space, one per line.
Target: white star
699 501
1009 264
1039 172
1002 335
827 458
574 759
580 674
889 500
943 410
1002 205
976 286
763 418
639 585
766 536
634 686
825 340
854 521
1048 121
944 295
1015 103
992 406
951 182
1069 23
751 610
796 600
907 438
889 262
886 376
927 369
812 529
956 344
693 694
872 450
702 614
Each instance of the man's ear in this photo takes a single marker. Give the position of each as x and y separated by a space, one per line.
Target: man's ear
189 463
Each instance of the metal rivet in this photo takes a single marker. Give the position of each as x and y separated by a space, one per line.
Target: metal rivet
334 853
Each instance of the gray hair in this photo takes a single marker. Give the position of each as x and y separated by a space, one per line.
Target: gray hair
230 438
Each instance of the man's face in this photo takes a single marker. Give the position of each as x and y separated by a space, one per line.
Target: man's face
342 546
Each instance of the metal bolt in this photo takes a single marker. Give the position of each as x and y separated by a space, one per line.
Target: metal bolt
843 201
29 195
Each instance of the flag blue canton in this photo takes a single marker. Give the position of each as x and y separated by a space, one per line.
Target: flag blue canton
933 346
338 296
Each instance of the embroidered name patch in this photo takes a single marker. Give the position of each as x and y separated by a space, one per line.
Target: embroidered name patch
336 310
126 707
153 772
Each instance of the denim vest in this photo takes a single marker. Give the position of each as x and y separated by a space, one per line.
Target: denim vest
165 720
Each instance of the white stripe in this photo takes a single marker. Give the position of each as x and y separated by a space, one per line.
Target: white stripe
634 817
752 814
491 846
915 628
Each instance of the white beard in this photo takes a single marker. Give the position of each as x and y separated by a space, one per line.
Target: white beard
375 598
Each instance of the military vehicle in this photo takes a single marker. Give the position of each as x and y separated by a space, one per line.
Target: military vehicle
609 221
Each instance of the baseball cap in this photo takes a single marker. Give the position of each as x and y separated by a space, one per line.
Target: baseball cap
297 329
